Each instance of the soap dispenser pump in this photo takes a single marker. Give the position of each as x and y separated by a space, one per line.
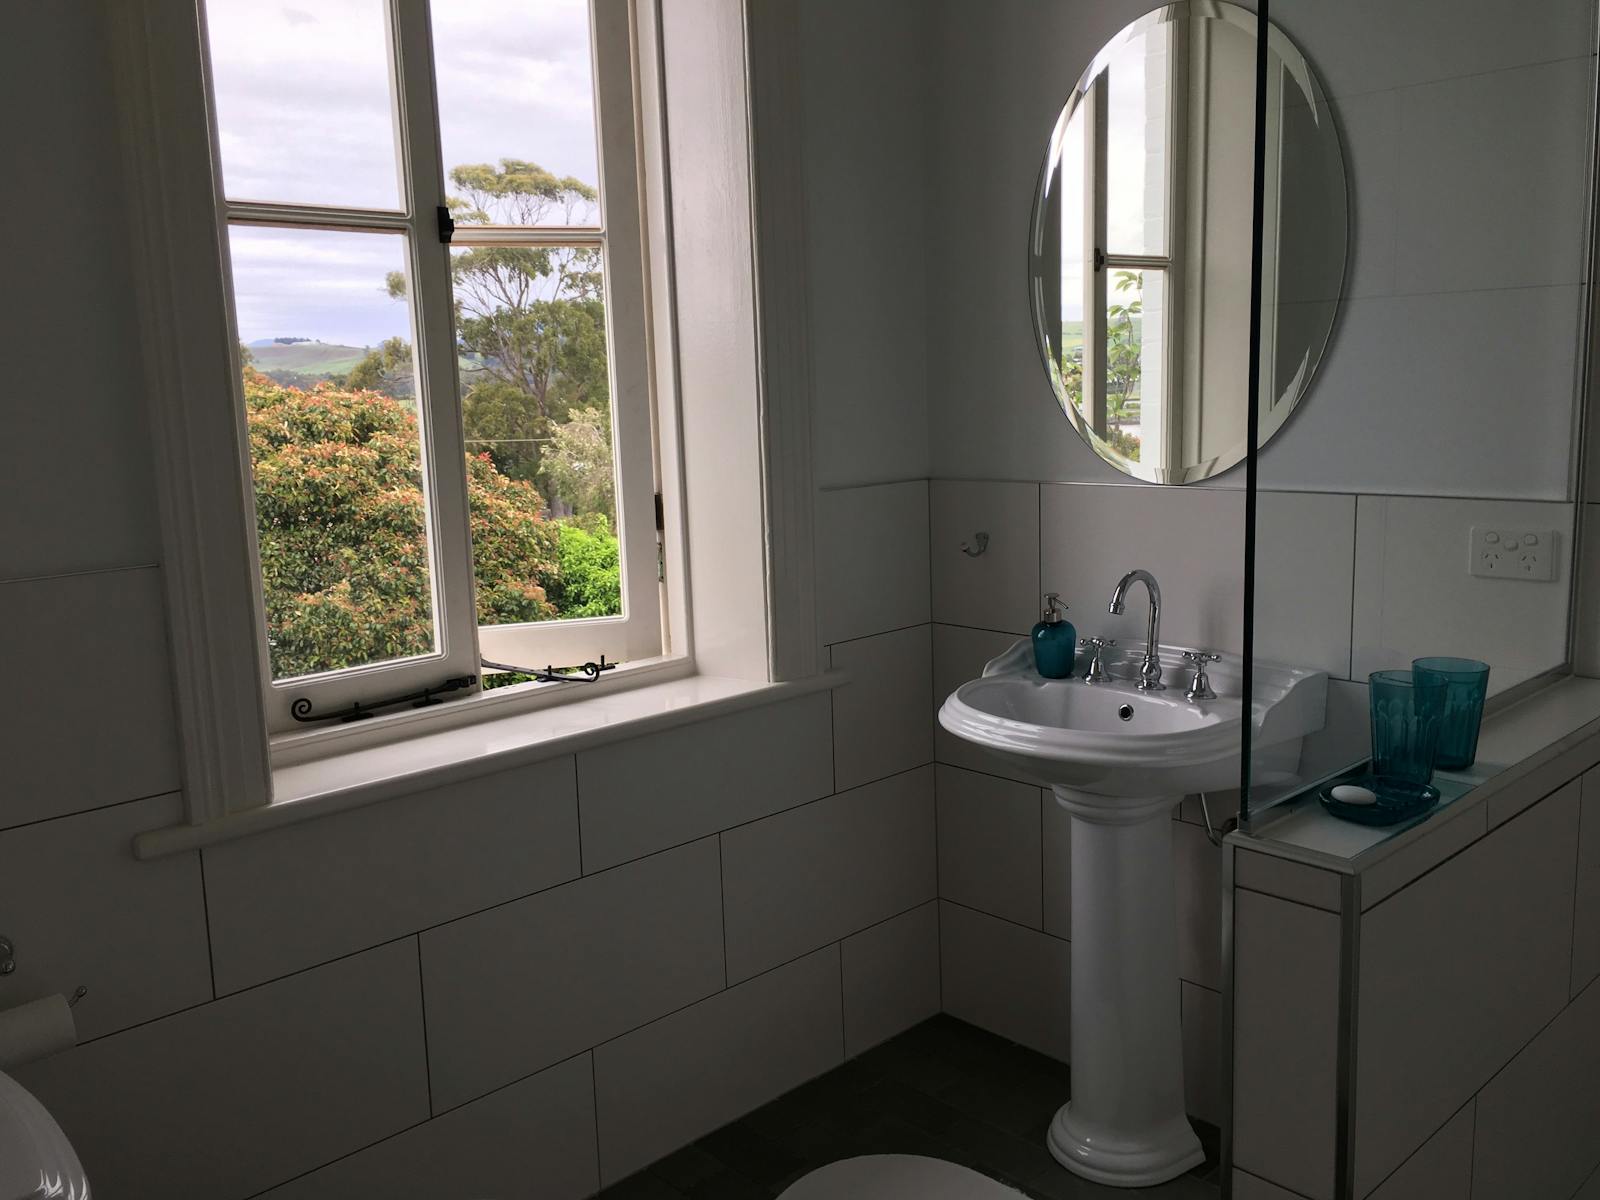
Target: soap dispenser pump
1054 640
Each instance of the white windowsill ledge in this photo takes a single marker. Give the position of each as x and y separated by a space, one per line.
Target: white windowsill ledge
338 782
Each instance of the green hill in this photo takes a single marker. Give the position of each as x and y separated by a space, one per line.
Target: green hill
308 359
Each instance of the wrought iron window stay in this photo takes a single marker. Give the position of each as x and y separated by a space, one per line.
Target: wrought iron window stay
302 710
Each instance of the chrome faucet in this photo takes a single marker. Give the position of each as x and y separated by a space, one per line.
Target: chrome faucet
1150 666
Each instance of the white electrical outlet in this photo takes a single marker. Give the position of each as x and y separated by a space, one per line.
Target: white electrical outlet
1512 553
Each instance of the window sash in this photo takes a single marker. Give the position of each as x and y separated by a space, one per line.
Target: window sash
461 644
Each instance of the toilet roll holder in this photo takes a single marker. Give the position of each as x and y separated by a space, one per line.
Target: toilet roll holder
8 964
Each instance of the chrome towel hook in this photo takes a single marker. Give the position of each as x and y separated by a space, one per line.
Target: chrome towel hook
980 540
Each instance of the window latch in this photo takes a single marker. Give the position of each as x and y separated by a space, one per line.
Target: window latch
301 709
447 225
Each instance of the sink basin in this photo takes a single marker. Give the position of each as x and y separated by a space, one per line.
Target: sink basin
1113 740
1119 760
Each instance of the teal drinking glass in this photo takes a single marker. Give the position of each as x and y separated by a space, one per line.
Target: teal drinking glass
1407 713
1466 684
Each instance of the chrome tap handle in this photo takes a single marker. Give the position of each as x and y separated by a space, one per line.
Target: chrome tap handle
1200 688
1096 672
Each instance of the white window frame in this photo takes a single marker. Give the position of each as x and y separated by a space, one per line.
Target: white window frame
462 645
724 236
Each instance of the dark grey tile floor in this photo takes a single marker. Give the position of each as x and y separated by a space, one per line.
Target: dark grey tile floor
944 1089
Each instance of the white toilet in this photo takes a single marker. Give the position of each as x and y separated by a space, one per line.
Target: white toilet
36 1160
896 1177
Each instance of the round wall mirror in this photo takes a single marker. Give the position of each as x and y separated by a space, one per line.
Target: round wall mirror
1141 243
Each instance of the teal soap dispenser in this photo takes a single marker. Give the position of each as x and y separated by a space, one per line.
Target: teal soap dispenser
1054 641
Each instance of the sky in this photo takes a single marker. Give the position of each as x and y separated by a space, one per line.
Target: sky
305 113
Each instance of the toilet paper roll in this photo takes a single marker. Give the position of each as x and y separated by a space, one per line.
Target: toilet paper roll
34 1030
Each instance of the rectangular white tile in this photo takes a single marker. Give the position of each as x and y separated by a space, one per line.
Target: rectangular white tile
237 1096
880 718
959 654
1386 413
1286 879
1368 129
534 1138
1450 832
872 559
1591 1188
1251 1187
1537 1119
663 789
1057 868
1441 1169
1586 913
1190 539
286 899
891 977
80 910
1414 596
1305 558
999 588
803 878
1346 734
1458 971
517 988
1202 1053
1479 142
990 852
1285 1042
1009 980
1197 876
62 757
662 1086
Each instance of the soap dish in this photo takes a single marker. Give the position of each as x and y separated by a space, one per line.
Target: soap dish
1395 802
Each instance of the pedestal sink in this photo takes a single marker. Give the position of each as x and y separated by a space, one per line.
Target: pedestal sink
1119 760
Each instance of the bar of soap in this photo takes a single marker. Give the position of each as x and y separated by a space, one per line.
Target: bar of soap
1349 793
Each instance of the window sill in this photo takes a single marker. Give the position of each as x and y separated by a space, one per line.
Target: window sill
352 778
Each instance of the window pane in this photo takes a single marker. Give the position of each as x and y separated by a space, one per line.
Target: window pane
536 406
305 108
1135 359
1136 142
335 450
1071 184
516 111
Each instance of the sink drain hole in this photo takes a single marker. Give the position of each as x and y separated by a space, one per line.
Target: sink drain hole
1126 712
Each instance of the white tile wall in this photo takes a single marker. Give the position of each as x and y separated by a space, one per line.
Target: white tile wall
798 880
1285 1049
1369 135
1441 1169
310 892
79 758
1518 225
1414 596
891 977
1010 980
1197 867
667 788
1537 1120
1251 1187
1302 605
880 718
872 559
959 654
672 1081
234 1097
1202 1053
519 987
1057 868
79 910
1191 539
1591 1189
1453 980
990 853
534 1139
998 589
1586 912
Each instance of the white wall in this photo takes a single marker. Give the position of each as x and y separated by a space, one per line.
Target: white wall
540 979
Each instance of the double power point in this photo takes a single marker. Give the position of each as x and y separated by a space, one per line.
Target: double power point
1513 553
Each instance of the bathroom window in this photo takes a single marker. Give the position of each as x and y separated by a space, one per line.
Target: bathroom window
432 222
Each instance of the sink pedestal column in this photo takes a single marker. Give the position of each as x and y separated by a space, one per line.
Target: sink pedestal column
1125 1124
